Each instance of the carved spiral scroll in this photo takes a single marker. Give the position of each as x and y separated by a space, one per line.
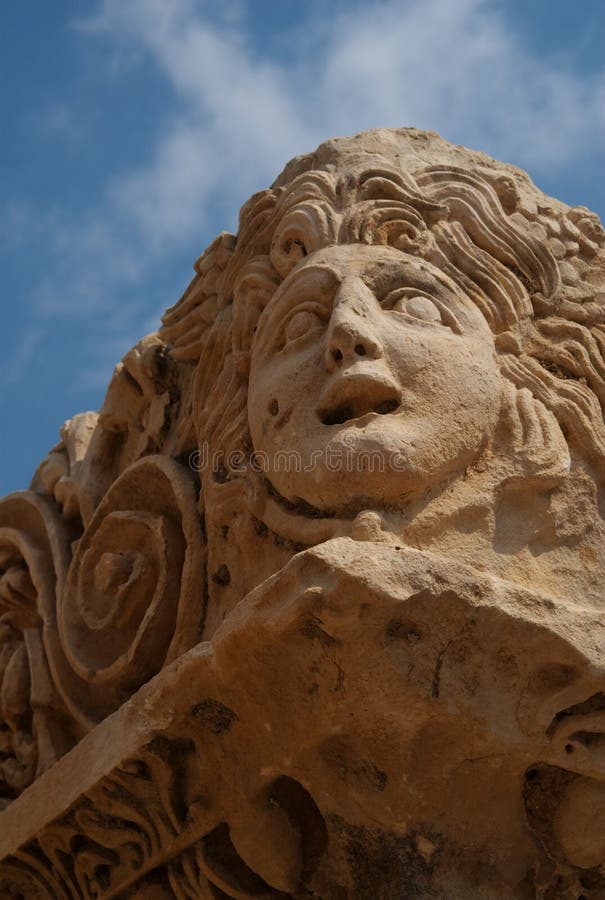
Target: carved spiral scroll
133 598
34 555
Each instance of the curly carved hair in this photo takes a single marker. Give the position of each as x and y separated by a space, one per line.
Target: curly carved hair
533 267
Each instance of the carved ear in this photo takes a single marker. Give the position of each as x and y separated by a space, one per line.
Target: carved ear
539 449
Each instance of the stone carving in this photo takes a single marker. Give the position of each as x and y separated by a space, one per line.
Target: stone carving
33 554
348 504
133 594
462 785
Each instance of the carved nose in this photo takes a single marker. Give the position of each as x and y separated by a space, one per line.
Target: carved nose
351 332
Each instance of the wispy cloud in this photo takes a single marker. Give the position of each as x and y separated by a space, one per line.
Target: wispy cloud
461 69
59 121
19 357
454 67
16 219
238 115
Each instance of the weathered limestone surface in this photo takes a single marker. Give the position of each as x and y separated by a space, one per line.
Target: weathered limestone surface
314 606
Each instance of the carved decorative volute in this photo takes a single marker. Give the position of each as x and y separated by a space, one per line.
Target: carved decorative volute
314 606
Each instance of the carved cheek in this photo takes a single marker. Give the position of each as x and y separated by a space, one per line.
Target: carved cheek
408 352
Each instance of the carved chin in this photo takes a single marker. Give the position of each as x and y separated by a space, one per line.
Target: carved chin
365 467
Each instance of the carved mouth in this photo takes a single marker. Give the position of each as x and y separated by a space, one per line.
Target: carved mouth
347 412
355 395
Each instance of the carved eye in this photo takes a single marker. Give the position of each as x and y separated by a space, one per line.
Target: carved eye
300 324
418 307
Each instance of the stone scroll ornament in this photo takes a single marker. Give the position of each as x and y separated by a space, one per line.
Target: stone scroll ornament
313 607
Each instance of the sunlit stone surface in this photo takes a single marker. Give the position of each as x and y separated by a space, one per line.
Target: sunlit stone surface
313 607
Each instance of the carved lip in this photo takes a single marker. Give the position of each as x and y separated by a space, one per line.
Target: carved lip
357 393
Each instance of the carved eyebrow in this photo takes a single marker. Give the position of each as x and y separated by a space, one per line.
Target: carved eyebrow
299 292
385 278
317 283
322 276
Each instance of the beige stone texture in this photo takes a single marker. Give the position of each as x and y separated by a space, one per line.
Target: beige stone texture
313 607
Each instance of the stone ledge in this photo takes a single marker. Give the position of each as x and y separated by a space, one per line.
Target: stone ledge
255 761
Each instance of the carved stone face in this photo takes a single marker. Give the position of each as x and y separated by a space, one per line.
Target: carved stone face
372 378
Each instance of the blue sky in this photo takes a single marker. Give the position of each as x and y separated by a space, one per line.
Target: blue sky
134 129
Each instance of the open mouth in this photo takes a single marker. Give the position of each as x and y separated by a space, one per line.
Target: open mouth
354 396
348 411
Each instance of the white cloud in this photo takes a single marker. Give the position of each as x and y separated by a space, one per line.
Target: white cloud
19 357
458 68
16 220
239 118
58 121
